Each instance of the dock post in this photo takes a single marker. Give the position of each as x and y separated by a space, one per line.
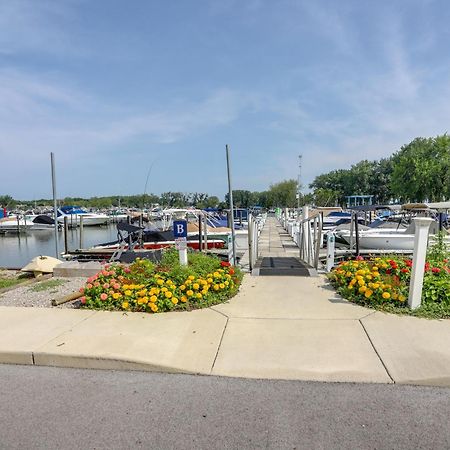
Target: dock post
230 198
66 232
330 251
205 234
55 206
81 230
420 251
200 230
249 238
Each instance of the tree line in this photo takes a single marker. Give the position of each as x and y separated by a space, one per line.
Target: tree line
418 172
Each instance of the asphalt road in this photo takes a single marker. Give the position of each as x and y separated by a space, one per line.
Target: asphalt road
53 408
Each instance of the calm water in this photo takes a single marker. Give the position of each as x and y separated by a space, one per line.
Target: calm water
17 251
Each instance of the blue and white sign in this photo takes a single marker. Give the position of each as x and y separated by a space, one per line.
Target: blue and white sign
180 229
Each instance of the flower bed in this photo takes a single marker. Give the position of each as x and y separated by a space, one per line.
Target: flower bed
383 283
145 287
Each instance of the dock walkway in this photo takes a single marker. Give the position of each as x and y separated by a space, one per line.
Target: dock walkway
278 253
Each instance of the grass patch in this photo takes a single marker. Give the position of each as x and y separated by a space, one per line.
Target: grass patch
47 285
7 280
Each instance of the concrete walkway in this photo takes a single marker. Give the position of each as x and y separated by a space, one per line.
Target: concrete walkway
276 327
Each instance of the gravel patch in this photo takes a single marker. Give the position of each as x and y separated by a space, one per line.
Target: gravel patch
41 294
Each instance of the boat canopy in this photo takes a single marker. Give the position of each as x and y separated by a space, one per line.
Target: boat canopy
439 206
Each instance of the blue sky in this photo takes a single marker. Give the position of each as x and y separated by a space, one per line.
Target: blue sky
115 88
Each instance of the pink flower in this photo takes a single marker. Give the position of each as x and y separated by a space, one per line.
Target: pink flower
89 286
83 300
96 284
116 286
105 273
107 266
106 286
127 270
103 296
435 270
81 289
90 279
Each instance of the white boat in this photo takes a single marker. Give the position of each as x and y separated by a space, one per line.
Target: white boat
18 223
387 238
74 215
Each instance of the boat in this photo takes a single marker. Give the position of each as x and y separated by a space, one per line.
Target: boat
157 239
75 213
18 223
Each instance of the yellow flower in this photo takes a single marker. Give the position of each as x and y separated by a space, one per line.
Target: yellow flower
362 289
159 281
361 282
125 305
153 307
116 295
157 291
145 300
198 295
227 283
210 280
368 293
168 294
350 286
205 291
140 301
386 295
153 298
190 277
368 277
216 274
125 286
182 287
353 281
183 299
195 286
174 300
127 293
190 293
401 298
169 282
216 287
376 285
222 286
164 289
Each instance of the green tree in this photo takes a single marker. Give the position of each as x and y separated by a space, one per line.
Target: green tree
6 201
421 170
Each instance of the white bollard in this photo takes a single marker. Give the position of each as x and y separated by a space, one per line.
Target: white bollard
422 225
330 251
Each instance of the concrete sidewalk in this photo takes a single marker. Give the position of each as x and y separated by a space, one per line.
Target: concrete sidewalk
276 327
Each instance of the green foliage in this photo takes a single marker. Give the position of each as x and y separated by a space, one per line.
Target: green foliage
421 170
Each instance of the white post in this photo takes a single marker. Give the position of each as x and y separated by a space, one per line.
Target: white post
330 251
183 257
422 225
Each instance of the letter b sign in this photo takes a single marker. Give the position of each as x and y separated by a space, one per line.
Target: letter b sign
179 228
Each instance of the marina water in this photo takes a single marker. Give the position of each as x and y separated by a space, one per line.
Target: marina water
16 251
